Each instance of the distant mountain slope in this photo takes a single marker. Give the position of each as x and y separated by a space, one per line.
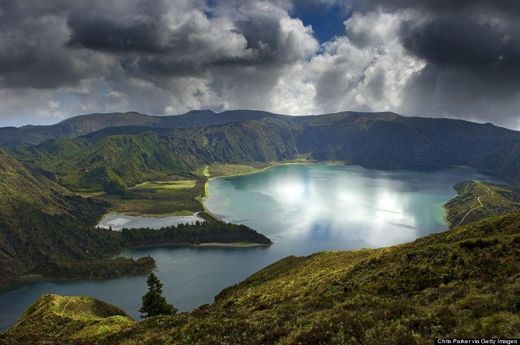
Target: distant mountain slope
504 161
387 140
90 163
127 155
73 127
85 124
461 283
143 153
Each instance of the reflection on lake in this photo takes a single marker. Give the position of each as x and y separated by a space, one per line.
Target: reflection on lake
302 208
117 221
313 207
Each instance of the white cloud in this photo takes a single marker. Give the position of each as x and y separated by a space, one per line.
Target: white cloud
367 73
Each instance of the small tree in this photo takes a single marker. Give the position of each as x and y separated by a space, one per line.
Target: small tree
154 302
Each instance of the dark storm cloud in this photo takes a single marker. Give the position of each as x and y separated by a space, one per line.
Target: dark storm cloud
472 52
184 44
263 35
450 41
465 33
106 35
489 52
52 44
60 57
137 28
32 52
444 6
478 50
457 58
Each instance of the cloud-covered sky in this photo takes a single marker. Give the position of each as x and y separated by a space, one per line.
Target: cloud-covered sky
441 58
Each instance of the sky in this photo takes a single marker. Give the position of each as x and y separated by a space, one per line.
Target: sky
435 58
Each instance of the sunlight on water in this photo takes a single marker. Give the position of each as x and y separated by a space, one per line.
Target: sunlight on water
336 204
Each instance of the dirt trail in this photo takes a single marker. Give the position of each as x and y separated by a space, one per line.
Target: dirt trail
476 207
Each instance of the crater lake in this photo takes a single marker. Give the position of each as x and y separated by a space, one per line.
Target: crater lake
303 208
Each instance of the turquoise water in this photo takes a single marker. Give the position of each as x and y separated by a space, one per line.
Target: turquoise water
302 208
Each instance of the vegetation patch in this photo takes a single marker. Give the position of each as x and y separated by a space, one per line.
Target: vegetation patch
47 230
54 319
198 233
166 185
159 198
478 200
218 169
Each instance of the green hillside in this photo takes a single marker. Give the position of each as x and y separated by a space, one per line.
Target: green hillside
477 200
461 283
47 230
116 158
78 318
73 127
111 161
85 124
108 162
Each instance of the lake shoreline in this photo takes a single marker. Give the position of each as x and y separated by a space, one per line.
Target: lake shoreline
201 198
272 165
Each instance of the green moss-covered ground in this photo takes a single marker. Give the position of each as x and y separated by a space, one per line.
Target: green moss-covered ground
461 283
55 317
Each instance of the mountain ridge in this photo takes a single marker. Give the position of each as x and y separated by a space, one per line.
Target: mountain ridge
133 154
88 123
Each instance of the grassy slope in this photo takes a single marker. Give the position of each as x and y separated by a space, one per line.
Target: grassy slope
87 163
159 198
464 282
477 200
223 170
172 197
77 318
43 224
